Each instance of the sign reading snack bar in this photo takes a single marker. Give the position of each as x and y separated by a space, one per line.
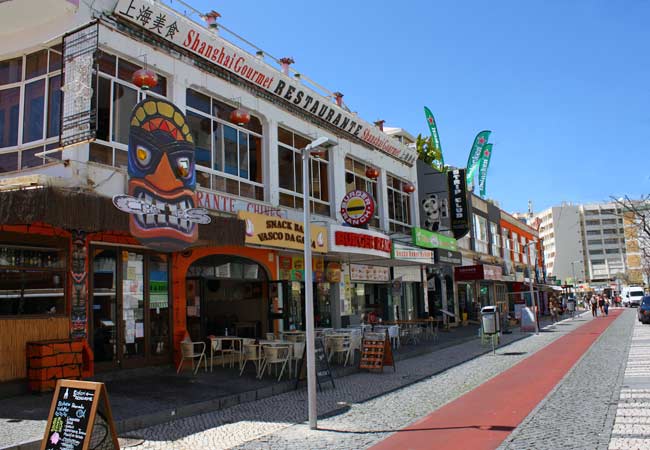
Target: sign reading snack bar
354 240
277 232
166 24
357 208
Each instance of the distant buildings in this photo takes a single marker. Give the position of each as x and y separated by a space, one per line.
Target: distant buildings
585 243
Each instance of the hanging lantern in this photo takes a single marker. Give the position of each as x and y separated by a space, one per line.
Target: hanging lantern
372 173
145 79
240 116
409 188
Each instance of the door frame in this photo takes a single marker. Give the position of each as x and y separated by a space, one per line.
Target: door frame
119 362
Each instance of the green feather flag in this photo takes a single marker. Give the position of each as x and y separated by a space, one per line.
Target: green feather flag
475 154
483 165
434 134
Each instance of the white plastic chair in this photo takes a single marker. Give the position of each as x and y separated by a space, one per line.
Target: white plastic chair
274 355
189 351
270 337
339 345
298 351
216 345
355 344
252 353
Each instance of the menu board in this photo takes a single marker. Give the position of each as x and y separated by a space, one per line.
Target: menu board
74 414
323 371
376 352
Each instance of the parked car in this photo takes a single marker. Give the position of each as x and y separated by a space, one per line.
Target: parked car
632 296
644 310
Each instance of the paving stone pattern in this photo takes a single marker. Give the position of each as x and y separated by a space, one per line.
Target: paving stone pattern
579 412
368 407
632 422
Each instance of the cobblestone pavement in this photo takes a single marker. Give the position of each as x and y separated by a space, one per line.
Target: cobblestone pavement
367 407
632 422
579 412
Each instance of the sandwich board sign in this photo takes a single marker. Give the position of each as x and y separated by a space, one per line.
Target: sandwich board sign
80 418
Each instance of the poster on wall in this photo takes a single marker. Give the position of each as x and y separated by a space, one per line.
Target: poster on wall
161 199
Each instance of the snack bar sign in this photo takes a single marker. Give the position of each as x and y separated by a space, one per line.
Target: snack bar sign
283 233
180 31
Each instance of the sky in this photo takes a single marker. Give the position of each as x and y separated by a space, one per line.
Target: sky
563 85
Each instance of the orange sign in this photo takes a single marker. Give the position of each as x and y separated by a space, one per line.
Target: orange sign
283 233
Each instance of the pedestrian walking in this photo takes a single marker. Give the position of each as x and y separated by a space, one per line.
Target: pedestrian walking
594 306
606 306
601 304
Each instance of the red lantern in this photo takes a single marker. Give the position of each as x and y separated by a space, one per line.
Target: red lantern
372 173
240 117
145 79
409 188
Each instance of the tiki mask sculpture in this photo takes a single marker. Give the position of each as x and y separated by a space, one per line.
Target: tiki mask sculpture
162 179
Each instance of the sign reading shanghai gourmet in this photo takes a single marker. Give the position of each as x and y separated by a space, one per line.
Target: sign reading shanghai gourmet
169 25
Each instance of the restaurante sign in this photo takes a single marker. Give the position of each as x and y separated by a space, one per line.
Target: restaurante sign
172 27
283 233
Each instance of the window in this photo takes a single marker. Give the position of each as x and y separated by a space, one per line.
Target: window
515 246
290 168
506 243
228 156
595 262
609 221
115 96
32 280
593 222
595 252
594 242
30 98
611 241
612 251
399 205
592 212
593 232
355 178
609 231
480 234
495 239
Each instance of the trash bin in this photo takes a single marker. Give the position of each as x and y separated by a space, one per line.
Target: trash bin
571 305
490 320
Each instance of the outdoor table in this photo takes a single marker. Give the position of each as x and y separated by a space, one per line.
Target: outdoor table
235 343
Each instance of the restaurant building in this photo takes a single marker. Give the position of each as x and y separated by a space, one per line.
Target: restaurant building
70 265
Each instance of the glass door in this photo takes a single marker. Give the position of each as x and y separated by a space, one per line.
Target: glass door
104 309
159 311
132 317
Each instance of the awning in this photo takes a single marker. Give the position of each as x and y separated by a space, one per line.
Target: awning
79 210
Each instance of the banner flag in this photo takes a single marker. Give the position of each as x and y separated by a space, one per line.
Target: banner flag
483 165
434 134
475 154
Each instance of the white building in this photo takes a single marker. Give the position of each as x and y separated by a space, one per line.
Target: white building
249 171
583 242
560 231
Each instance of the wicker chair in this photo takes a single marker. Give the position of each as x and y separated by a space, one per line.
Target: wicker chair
192 350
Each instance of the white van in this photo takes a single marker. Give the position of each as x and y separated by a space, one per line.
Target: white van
632 296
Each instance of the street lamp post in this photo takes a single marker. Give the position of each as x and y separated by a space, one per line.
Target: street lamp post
309 289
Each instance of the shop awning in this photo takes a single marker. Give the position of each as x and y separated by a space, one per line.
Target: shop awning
79 210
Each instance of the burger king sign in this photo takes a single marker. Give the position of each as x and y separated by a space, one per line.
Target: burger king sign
357 208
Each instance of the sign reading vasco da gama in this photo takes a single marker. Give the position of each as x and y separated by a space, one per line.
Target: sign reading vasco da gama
174 28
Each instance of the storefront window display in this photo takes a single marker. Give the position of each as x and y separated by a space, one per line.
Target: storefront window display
32 280
466 304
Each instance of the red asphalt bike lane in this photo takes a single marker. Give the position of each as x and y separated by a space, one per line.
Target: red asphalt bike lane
484 417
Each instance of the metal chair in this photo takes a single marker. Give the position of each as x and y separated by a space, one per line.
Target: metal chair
189 351
252 353
216 345
274 355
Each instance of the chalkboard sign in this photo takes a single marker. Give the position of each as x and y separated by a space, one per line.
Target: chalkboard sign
323 371
80 418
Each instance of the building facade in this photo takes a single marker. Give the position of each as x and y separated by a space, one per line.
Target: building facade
71 266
